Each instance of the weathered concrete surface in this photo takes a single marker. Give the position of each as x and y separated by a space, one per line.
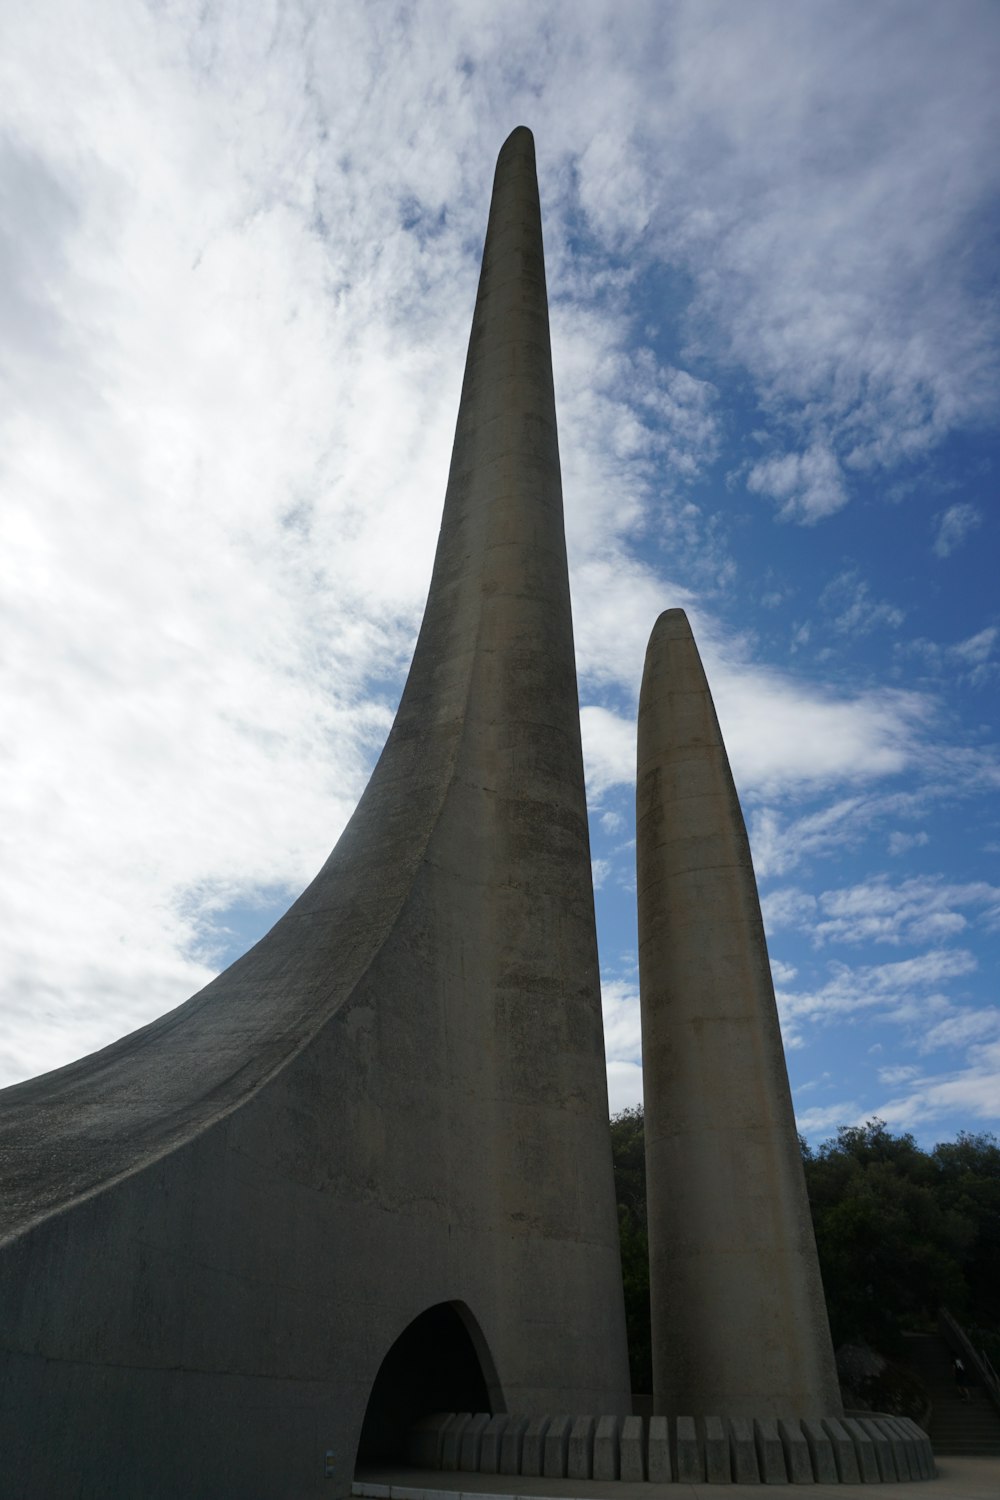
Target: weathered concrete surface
216 1228
739 1320
490 1449
658 1465
709 1449
512 1444
690 1464
633 1454
472 1441
718 1469
607 1436
580 1458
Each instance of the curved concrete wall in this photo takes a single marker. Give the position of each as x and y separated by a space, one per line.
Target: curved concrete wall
215 1229
739 1319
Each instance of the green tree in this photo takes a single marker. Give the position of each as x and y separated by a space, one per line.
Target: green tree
629 1154
900 1232
892 1248
969 1184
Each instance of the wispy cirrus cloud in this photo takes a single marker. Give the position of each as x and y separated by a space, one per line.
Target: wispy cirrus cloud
973 660
969 1090
851 610
907 991
954 526
923 909
234 317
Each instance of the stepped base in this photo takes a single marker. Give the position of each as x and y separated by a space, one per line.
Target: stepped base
867 1448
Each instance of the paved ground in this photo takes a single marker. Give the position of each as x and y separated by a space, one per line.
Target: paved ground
958 1479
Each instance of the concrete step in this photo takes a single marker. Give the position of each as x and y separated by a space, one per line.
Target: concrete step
956 1426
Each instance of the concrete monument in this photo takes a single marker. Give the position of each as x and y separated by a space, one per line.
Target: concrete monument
739 1320
366 1172
354 1199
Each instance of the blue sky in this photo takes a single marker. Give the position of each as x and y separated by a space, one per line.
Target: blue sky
240 247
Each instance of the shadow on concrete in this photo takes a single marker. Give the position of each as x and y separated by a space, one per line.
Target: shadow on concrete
440 1362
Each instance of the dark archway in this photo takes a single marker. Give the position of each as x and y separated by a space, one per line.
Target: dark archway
436 1364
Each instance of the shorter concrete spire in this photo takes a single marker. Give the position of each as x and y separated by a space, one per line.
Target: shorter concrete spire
739 1320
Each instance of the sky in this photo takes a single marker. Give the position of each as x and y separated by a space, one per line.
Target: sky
239 246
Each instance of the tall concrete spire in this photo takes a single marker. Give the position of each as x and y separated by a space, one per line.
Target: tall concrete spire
385 1127
739 1321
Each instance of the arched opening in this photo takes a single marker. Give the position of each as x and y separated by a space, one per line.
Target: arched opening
436 1364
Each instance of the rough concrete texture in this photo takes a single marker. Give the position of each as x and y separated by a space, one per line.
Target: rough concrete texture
742 1451
918 1447
739 1320
658 1465
451 1446
711 1449
491 1445
821 1452
718 1469
607 1454
883 1449
512 1446
580 1459
472 1441
556 1449
864 1450
215 1229
533 1445
770 1452
797 1457
906 1458
922 1444
843 1452
633 1457
690 1465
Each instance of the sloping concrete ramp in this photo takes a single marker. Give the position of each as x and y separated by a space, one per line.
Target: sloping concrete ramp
385 1128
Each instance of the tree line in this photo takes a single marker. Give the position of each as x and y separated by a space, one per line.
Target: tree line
900 1232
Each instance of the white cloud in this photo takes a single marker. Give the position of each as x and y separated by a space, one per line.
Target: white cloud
814 276
782 733
234 314
787 907
807 486
954 526
902 843
852 611
608 748
782 973
782 841
978 648
826 1117
971 1090
969 661
624 1086
906 992
622 1042
961 1028
779 732
924 909
901 1074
